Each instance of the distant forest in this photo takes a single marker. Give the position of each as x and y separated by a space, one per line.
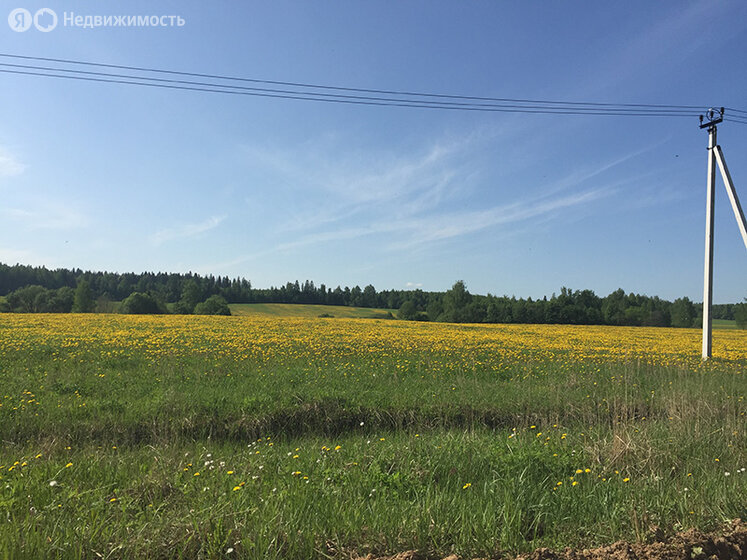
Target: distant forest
40 290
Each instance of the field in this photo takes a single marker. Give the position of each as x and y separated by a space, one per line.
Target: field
291 310
263 437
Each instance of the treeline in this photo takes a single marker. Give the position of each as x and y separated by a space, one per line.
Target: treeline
38 289
164 287
580 307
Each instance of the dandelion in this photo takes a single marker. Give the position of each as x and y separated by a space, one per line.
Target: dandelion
113 500
626 479
196 474
466 486
68 465
236 488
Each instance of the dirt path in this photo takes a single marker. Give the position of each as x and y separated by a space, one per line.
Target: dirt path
727 544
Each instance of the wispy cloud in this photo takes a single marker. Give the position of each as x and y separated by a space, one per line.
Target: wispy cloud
9 164
185 231
47 215
449 225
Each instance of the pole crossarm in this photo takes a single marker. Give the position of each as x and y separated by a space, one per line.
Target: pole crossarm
732 192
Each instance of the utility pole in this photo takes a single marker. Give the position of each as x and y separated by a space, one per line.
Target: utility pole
715 156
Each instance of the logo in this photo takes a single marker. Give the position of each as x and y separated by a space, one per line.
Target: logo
44 20
20 19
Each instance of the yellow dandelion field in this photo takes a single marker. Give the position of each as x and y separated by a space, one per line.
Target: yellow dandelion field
320 343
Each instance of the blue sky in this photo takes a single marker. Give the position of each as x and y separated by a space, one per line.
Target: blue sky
124 178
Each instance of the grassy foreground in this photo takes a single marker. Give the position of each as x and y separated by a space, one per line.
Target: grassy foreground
248 437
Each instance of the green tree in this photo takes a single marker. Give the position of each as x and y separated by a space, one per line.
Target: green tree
27 299
191 296
408 311
740 315
682 312
83 301
455 303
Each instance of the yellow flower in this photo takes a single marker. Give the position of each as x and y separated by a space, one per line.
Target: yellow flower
68 465
466 486
229 472
113 500
196 474
626 479
235 488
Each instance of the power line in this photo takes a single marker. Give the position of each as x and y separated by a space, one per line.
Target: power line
323 95
293 94
345 101
350 89
330 94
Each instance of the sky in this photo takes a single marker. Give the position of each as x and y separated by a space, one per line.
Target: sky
115 177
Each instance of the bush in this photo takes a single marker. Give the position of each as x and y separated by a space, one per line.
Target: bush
138 303
214 305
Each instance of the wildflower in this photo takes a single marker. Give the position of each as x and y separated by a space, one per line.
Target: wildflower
196 474
235 488
466 486
53 483
68 465
626 479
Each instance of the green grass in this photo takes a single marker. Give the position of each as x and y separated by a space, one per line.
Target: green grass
724 324
311 310
101 454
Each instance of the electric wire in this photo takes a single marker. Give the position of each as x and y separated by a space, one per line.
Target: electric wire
324 95
570 111
330 94
349 89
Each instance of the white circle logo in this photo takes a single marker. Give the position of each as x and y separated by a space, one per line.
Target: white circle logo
45 20
20 19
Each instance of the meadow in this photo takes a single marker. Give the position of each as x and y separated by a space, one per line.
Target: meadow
266 437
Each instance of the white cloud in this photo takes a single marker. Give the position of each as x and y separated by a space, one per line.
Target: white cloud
47 215
10 166
185 231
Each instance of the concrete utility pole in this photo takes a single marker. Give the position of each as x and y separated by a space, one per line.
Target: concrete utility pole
715 155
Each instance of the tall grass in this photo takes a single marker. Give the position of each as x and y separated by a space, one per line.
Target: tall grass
195 454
